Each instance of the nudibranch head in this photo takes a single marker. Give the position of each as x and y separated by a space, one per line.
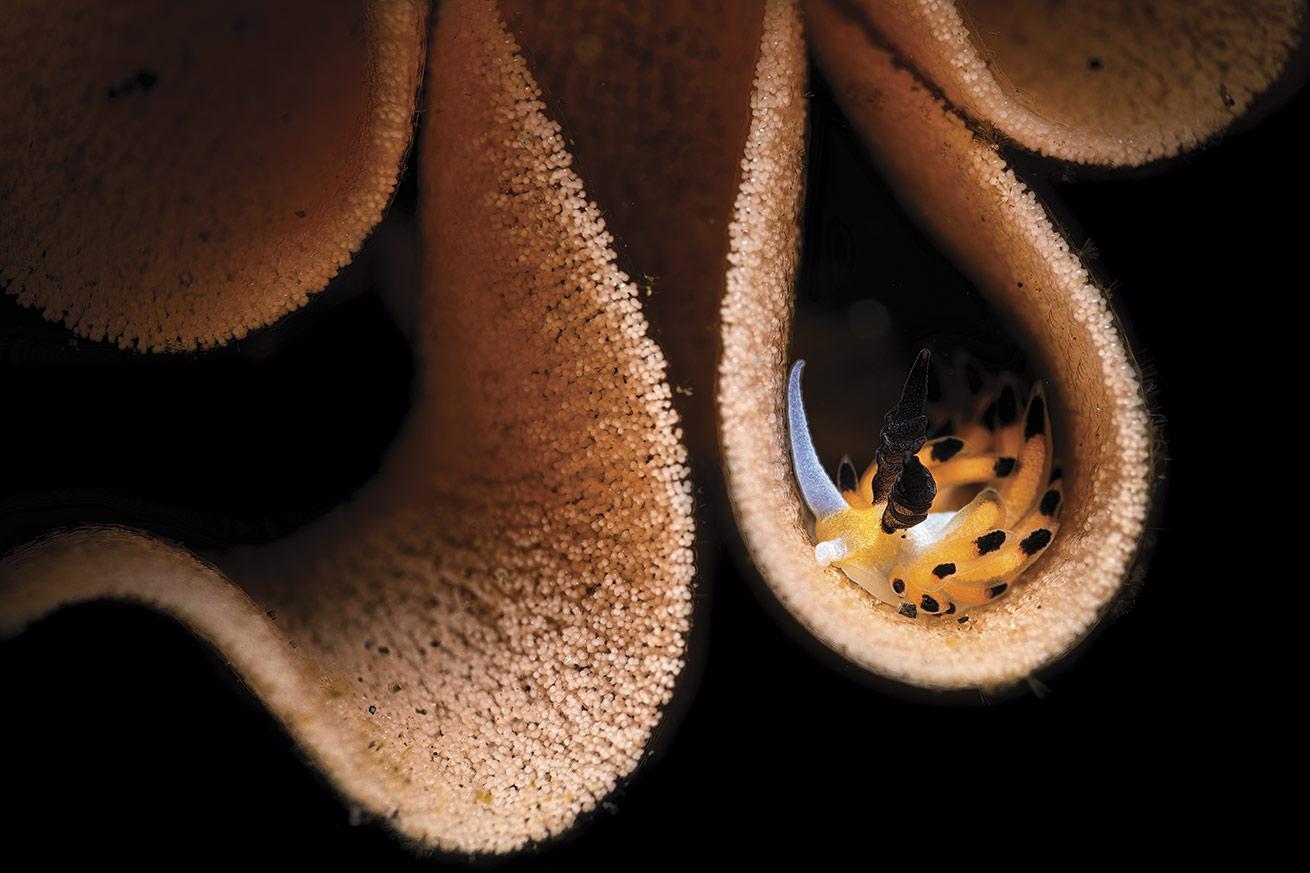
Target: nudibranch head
934 527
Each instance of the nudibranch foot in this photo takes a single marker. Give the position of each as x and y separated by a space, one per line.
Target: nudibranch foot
936 526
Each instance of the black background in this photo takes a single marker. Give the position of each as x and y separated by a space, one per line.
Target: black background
127 740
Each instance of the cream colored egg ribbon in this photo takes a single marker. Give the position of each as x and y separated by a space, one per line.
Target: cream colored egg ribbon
478 647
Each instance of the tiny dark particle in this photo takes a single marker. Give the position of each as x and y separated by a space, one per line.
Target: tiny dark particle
143 81
909 610
1003 467
1007 410
372 710
1057 474
271 614
1093 63
990 542
962 619
383 650
929 604
998 590
421 711
1050 502
368 644
1035 541
300 213
436 644
395 686
898 585
941 571
1036 424
944 450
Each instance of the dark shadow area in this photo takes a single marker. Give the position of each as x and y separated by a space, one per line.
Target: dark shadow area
240 444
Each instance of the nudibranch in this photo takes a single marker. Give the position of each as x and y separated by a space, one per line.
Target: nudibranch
909 531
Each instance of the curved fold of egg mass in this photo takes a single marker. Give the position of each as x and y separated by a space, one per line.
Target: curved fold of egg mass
478 647
178 175
986 220
1103 82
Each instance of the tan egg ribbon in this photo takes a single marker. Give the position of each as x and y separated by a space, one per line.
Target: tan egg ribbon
176 175
655 101
479 646
1111 82
995 229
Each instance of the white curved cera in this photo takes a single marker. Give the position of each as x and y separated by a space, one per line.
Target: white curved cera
821 495
830 550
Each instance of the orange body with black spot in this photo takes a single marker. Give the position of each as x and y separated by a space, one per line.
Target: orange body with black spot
947 524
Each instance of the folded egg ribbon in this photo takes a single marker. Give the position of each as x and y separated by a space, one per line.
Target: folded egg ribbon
429 637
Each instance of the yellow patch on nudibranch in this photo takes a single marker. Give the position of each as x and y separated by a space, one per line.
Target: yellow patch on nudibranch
899 531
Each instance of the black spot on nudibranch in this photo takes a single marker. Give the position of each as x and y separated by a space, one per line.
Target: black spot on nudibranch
998 590
1093 64
928 604
944 450
990 542
1007 409
941 571
909 610
898 585
143 81
1057 474
1035 541
1050 502
950 609
1036 424
1003 467
846 478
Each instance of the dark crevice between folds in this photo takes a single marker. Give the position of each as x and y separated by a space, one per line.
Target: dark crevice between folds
873 290
237 445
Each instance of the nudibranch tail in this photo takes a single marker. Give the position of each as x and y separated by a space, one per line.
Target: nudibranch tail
914 530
